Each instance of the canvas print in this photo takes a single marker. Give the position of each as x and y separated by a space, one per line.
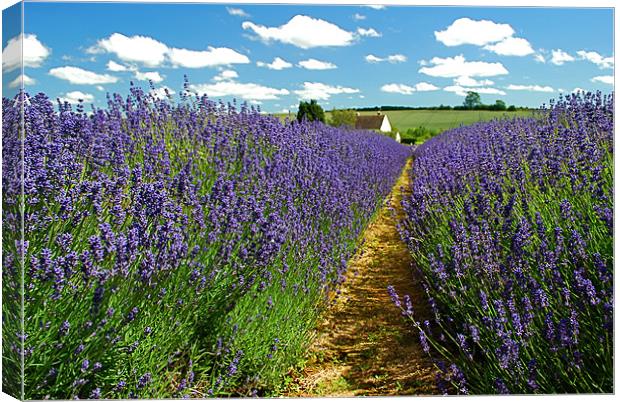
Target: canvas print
296 200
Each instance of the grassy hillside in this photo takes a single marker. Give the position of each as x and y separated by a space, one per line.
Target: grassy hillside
437 119
443 119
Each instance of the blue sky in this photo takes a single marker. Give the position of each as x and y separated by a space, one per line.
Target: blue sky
344 56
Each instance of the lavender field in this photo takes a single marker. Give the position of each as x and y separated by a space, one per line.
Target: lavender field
510 226
174 249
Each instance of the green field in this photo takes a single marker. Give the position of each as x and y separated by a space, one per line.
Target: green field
443 119
440 120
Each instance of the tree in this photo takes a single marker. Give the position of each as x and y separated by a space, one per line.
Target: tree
499 105
512 108
472 100
345 117
310 111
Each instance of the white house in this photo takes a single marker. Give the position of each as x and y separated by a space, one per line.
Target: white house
378 122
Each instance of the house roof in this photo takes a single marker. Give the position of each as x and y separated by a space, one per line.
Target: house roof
372 122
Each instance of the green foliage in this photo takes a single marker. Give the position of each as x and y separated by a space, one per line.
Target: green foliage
472 100
344 117
310 111
420 134
500 105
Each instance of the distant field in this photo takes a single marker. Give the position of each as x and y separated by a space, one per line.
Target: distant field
438 119
443 119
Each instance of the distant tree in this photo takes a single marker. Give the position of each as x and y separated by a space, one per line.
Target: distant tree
310 111
499 105
512 108
472 100
345 117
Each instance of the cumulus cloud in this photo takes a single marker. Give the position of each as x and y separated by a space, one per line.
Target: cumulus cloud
149 76
17 82
226 75
277 64
458 66
531 88
314 64
162 92
116 67
237 12
408 90
247 91
370 32
470 82
539 58
134 49
398 88
511 47
75 97
359 17
393 58
462 91
34 52
596 58
605 79
559 57
465 31
152 53
214 56
304 32
320 91
77 75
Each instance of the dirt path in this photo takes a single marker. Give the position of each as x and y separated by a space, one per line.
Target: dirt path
363 346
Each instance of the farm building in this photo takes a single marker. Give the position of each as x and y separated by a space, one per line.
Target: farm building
378 122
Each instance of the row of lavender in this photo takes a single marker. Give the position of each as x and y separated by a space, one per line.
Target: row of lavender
510 223
174 249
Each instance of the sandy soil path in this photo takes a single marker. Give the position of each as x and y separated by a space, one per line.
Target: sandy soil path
362 346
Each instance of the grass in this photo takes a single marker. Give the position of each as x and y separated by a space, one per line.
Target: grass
440 120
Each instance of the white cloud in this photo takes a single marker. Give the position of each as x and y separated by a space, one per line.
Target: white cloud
77 75
149 75
539 58
462 91
17 82
465 31
226 75
114 66
605 79
359 17
136 49
408 90
160 93
214 56
370 32
304 32
559 57
511 47
457 66
375 6
531 88
393 58
314 64
34 52
99 87
320 91
425 86
398 88
276 64
594 57
237 12
74 97
470 82
577 89
246 91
